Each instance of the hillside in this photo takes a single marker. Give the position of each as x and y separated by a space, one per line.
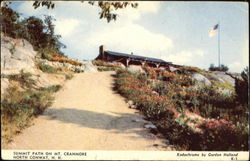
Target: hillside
28 81
192 109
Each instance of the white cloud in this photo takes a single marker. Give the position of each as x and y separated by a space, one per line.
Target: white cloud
243 61
66 27
245 57
185 57
131 38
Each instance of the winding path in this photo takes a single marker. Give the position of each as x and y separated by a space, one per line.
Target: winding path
87 115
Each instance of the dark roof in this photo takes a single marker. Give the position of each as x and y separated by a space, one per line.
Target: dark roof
137 57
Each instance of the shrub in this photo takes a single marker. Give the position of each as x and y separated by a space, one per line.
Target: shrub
46 68
69 76
105 66
163 96
222 68
19 107
53 88
24 78
65 60
77 70
219 135
46 56
160 88
241 87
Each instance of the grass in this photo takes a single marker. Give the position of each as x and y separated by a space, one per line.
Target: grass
164 99
47 68
69 76
24 78
105 66
18 108
57 57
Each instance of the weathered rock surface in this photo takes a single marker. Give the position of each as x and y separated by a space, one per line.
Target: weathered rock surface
135 68
16 55
201 79
172 69
225 77
46 80
215 78
88 67
4 84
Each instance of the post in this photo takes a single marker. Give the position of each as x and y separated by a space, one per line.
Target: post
127 62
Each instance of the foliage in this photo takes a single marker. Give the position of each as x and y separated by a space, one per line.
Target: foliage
105 66
77 70
46 68
105 6
69 76
46 56
221 134
40 33
24 78
53 88
241 86
164 97
65 60
9 20
19 107
222 68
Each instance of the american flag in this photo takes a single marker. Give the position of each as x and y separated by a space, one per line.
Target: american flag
213 31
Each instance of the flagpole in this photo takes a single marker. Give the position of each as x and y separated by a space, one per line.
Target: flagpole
219 43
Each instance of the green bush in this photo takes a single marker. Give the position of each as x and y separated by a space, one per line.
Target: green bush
222 68
19 107
46 56
78 70
69 76
24 78
53 88
47 68
241 87
160 88
179 93
103 68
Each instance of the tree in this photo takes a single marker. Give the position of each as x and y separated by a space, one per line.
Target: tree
241 86
9 20
106 7
35 28
222 68
52 39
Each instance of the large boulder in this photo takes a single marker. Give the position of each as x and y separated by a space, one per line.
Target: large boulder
215 78
135 68
16 55
201 79
88 66
224 76
172 69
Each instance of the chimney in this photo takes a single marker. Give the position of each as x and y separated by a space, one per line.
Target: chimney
101 51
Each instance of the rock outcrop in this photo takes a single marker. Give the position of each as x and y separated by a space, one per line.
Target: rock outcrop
16 55
201 79
88 67
224 76
135 68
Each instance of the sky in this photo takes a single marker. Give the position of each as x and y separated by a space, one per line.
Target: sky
173 31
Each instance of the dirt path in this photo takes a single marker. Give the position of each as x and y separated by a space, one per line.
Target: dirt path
87 115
